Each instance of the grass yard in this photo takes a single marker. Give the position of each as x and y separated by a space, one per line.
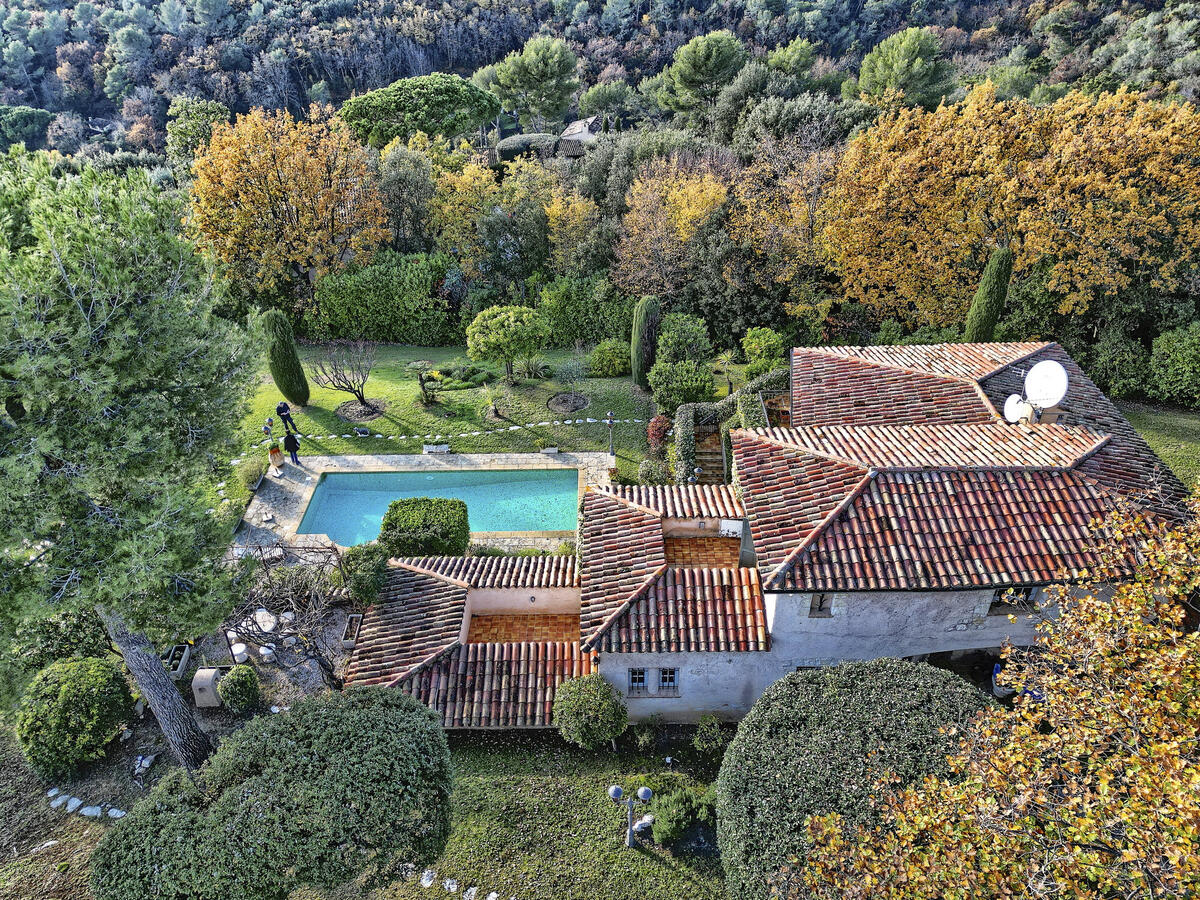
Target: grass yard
1173 433
532 820
458 411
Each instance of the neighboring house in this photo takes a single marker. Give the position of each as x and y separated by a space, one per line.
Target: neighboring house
581 133
900 516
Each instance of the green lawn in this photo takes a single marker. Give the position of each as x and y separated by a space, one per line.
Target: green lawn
523 404
1174 434
532 819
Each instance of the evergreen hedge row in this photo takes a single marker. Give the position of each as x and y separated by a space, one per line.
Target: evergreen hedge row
425 526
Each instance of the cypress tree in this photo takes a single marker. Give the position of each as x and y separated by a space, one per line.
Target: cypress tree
988 304
283 359
645 334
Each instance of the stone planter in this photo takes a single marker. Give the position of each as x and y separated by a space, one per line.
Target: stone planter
176 659
350 635
548 450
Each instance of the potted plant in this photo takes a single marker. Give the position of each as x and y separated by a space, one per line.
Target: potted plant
176 659
275 454
350 635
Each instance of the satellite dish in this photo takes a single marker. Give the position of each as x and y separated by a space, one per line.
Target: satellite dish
1014 408
1046 384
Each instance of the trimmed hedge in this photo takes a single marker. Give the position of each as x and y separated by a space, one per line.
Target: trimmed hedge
1175 366
682 337
425 526
238 689
750 411
589 712
816 742
365 567
585 311
609 359
396 299
539 144
70 712
685 381
345 784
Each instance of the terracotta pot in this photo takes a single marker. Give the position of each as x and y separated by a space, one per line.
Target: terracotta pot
276 457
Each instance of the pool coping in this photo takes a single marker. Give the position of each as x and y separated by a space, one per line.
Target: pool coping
279 504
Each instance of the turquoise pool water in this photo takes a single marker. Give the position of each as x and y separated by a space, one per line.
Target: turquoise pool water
349 506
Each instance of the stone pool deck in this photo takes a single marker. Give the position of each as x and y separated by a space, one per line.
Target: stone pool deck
278 505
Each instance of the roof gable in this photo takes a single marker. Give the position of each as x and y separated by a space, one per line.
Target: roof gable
681 501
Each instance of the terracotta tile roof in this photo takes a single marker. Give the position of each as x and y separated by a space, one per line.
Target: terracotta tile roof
787 492
621 549
501 571
952 445
702 552
497 685
691 611
686 501
955 529
963 361
416 618
501 628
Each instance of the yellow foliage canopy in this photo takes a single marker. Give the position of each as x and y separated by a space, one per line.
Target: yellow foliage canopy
280 200
1100 190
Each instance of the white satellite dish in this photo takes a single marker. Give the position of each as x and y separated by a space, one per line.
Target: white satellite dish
1014 408
1046 384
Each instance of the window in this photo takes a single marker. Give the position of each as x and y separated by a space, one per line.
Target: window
820 607
668 681
1012 601
637 681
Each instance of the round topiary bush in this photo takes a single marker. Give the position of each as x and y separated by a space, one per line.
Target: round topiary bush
425 526
588 711
1175 366
816 742
609 359
69 713
238 690
345 784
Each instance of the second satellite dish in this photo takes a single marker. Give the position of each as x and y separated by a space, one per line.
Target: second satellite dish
1014 408
1045 385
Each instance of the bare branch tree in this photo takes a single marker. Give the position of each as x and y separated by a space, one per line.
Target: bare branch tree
346 367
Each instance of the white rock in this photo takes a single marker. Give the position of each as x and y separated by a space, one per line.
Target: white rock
58 801
379 435
591 421
514 427
451 885
45 845
427 878
345 435
53 792
115 813
220 485
92 812
73 804
492 896
469 893
211 510
391 437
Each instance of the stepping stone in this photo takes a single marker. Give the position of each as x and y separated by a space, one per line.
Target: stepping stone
450 885
427 878
492 896
391 437
53 792
115 813
469 893
45 845
73 804
92 812
379 435
345 435
58 801
514 427
220 485
592 421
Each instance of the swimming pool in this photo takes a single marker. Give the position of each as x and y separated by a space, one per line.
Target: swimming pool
349 506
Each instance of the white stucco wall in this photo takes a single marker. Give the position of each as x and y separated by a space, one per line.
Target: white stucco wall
724 684
560 601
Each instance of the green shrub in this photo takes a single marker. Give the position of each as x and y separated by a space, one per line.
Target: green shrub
584 311
38 642
238 689
69 713
644 337
609 359
345 784
588 711
395 298
654 471
988 303
363 570
682 337
536 144
677 811
1175 366
763 343
1119 364
534 368
282 358
759 367
816 742
425 526
750 411
673 383
648 732
250 470
710 740
505 334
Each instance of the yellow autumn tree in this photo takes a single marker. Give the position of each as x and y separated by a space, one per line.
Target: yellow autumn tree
459 196
667 204
1099 191
570 218
281 201
1089 787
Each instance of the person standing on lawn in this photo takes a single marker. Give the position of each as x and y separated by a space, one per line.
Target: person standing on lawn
285 416
291 443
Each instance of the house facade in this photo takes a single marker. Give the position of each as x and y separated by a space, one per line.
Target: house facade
897 515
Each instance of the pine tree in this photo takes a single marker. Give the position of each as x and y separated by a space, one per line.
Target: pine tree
646 316
283 359
988 304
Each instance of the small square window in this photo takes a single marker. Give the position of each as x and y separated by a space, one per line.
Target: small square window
1012 601
668 681
637 681
820 607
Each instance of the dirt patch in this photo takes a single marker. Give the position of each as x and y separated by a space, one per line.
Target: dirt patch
568 402
353 411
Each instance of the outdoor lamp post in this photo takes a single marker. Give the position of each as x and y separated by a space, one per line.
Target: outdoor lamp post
617 796
695 476
610 420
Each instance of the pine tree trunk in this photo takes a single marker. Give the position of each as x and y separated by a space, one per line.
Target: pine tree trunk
188 742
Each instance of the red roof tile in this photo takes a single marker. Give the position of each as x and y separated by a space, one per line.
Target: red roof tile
686 501
963 361
688 611
498 685
416 618
501 571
